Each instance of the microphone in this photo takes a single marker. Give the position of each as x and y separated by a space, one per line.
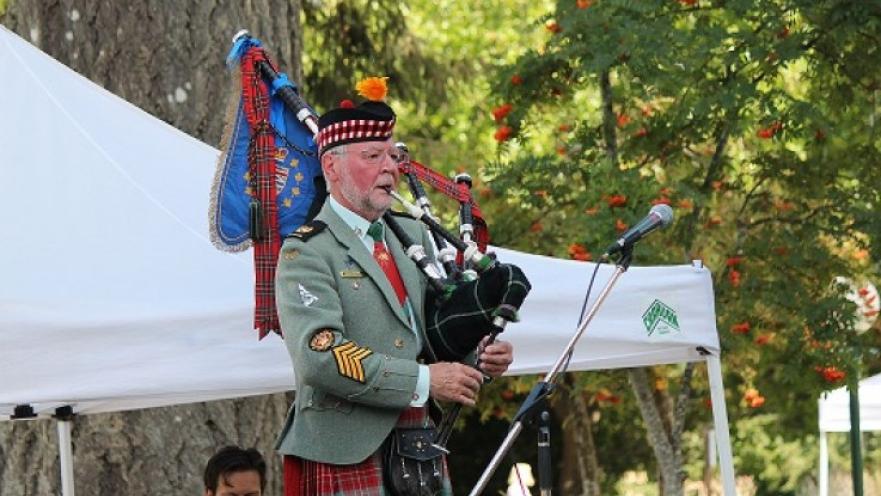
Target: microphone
660 216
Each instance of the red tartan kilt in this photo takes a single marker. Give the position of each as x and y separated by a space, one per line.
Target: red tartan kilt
309 478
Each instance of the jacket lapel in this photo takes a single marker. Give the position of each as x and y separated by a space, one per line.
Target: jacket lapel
408 269
359 254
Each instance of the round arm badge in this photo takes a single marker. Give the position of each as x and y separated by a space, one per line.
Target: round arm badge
322 340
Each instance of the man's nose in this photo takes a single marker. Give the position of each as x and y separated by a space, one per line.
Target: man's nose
389 164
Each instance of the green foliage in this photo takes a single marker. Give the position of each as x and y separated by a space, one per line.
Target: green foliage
778 464
345 41
756 121
721 136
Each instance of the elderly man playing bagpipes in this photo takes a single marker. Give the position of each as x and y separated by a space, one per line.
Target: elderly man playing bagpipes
352 308
377 333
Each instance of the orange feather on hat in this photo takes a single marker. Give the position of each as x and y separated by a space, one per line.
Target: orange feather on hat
373 88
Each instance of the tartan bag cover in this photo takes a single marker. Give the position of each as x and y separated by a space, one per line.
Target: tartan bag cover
265 181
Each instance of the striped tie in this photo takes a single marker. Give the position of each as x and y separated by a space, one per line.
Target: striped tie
385 260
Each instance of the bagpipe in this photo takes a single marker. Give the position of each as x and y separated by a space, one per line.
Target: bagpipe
269 183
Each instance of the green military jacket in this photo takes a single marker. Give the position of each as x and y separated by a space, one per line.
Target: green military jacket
351 344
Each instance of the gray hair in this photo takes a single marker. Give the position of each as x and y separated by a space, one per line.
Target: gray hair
338 150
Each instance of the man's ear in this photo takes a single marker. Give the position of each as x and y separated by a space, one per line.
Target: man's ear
329 163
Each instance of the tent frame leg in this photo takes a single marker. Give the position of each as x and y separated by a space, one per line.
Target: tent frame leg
64 422
720 420
823 479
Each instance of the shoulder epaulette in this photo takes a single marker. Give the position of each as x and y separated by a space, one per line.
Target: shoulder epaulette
308 230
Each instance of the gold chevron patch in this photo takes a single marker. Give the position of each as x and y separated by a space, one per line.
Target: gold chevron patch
349 357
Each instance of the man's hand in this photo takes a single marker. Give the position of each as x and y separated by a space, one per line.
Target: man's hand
495 358
454 382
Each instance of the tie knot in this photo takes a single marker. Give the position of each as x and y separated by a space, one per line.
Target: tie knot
375 231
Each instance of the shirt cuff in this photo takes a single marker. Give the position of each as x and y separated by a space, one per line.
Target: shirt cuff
423 382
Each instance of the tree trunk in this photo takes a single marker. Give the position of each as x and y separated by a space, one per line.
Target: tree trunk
167 58
665 449
580 473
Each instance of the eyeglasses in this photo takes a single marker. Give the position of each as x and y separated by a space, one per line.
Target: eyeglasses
374 156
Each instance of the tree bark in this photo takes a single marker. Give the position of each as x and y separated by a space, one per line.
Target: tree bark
609 119
167 58
664 447
580 473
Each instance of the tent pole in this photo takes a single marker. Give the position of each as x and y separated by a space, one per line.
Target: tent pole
823 480
64 421
720 419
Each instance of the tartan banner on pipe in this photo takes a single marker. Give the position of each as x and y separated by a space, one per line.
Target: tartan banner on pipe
457 191
265 181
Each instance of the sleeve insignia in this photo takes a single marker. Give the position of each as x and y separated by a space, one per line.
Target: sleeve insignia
349 360
305 296
308 230
322 340
290 254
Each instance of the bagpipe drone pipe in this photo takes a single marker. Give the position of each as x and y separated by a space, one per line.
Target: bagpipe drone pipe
269 182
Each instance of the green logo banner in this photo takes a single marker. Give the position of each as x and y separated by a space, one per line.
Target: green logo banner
660 319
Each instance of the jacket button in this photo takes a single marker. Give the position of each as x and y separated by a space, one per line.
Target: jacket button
399 343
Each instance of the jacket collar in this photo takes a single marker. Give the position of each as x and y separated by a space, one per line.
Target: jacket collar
357 252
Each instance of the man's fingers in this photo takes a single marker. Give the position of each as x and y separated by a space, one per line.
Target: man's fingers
493 367
472 373
468 393
471 384
495 359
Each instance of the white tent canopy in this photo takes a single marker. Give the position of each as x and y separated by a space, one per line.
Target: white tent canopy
112 297
834 412
834 416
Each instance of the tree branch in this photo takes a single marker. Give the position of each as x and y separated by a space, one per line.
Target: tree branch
609 119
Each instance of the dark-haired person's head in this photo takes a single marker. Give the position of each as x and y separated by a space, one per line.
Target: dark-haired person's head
234 471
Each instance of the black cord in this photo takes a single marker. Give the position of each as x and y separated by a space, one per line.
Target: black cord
580 317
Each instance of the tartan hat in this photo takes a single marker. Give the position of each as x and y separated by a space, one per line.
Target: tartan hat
370 121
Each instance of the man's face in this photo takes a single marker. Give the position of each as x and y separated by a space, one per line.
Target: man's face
243 483
362 176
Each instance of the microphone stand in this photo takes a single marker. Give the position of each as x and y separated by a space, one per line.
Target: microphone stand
543 388
545 471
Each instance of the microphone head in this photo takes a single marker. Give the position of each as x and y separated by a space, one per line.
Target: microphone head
664 213
400 145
